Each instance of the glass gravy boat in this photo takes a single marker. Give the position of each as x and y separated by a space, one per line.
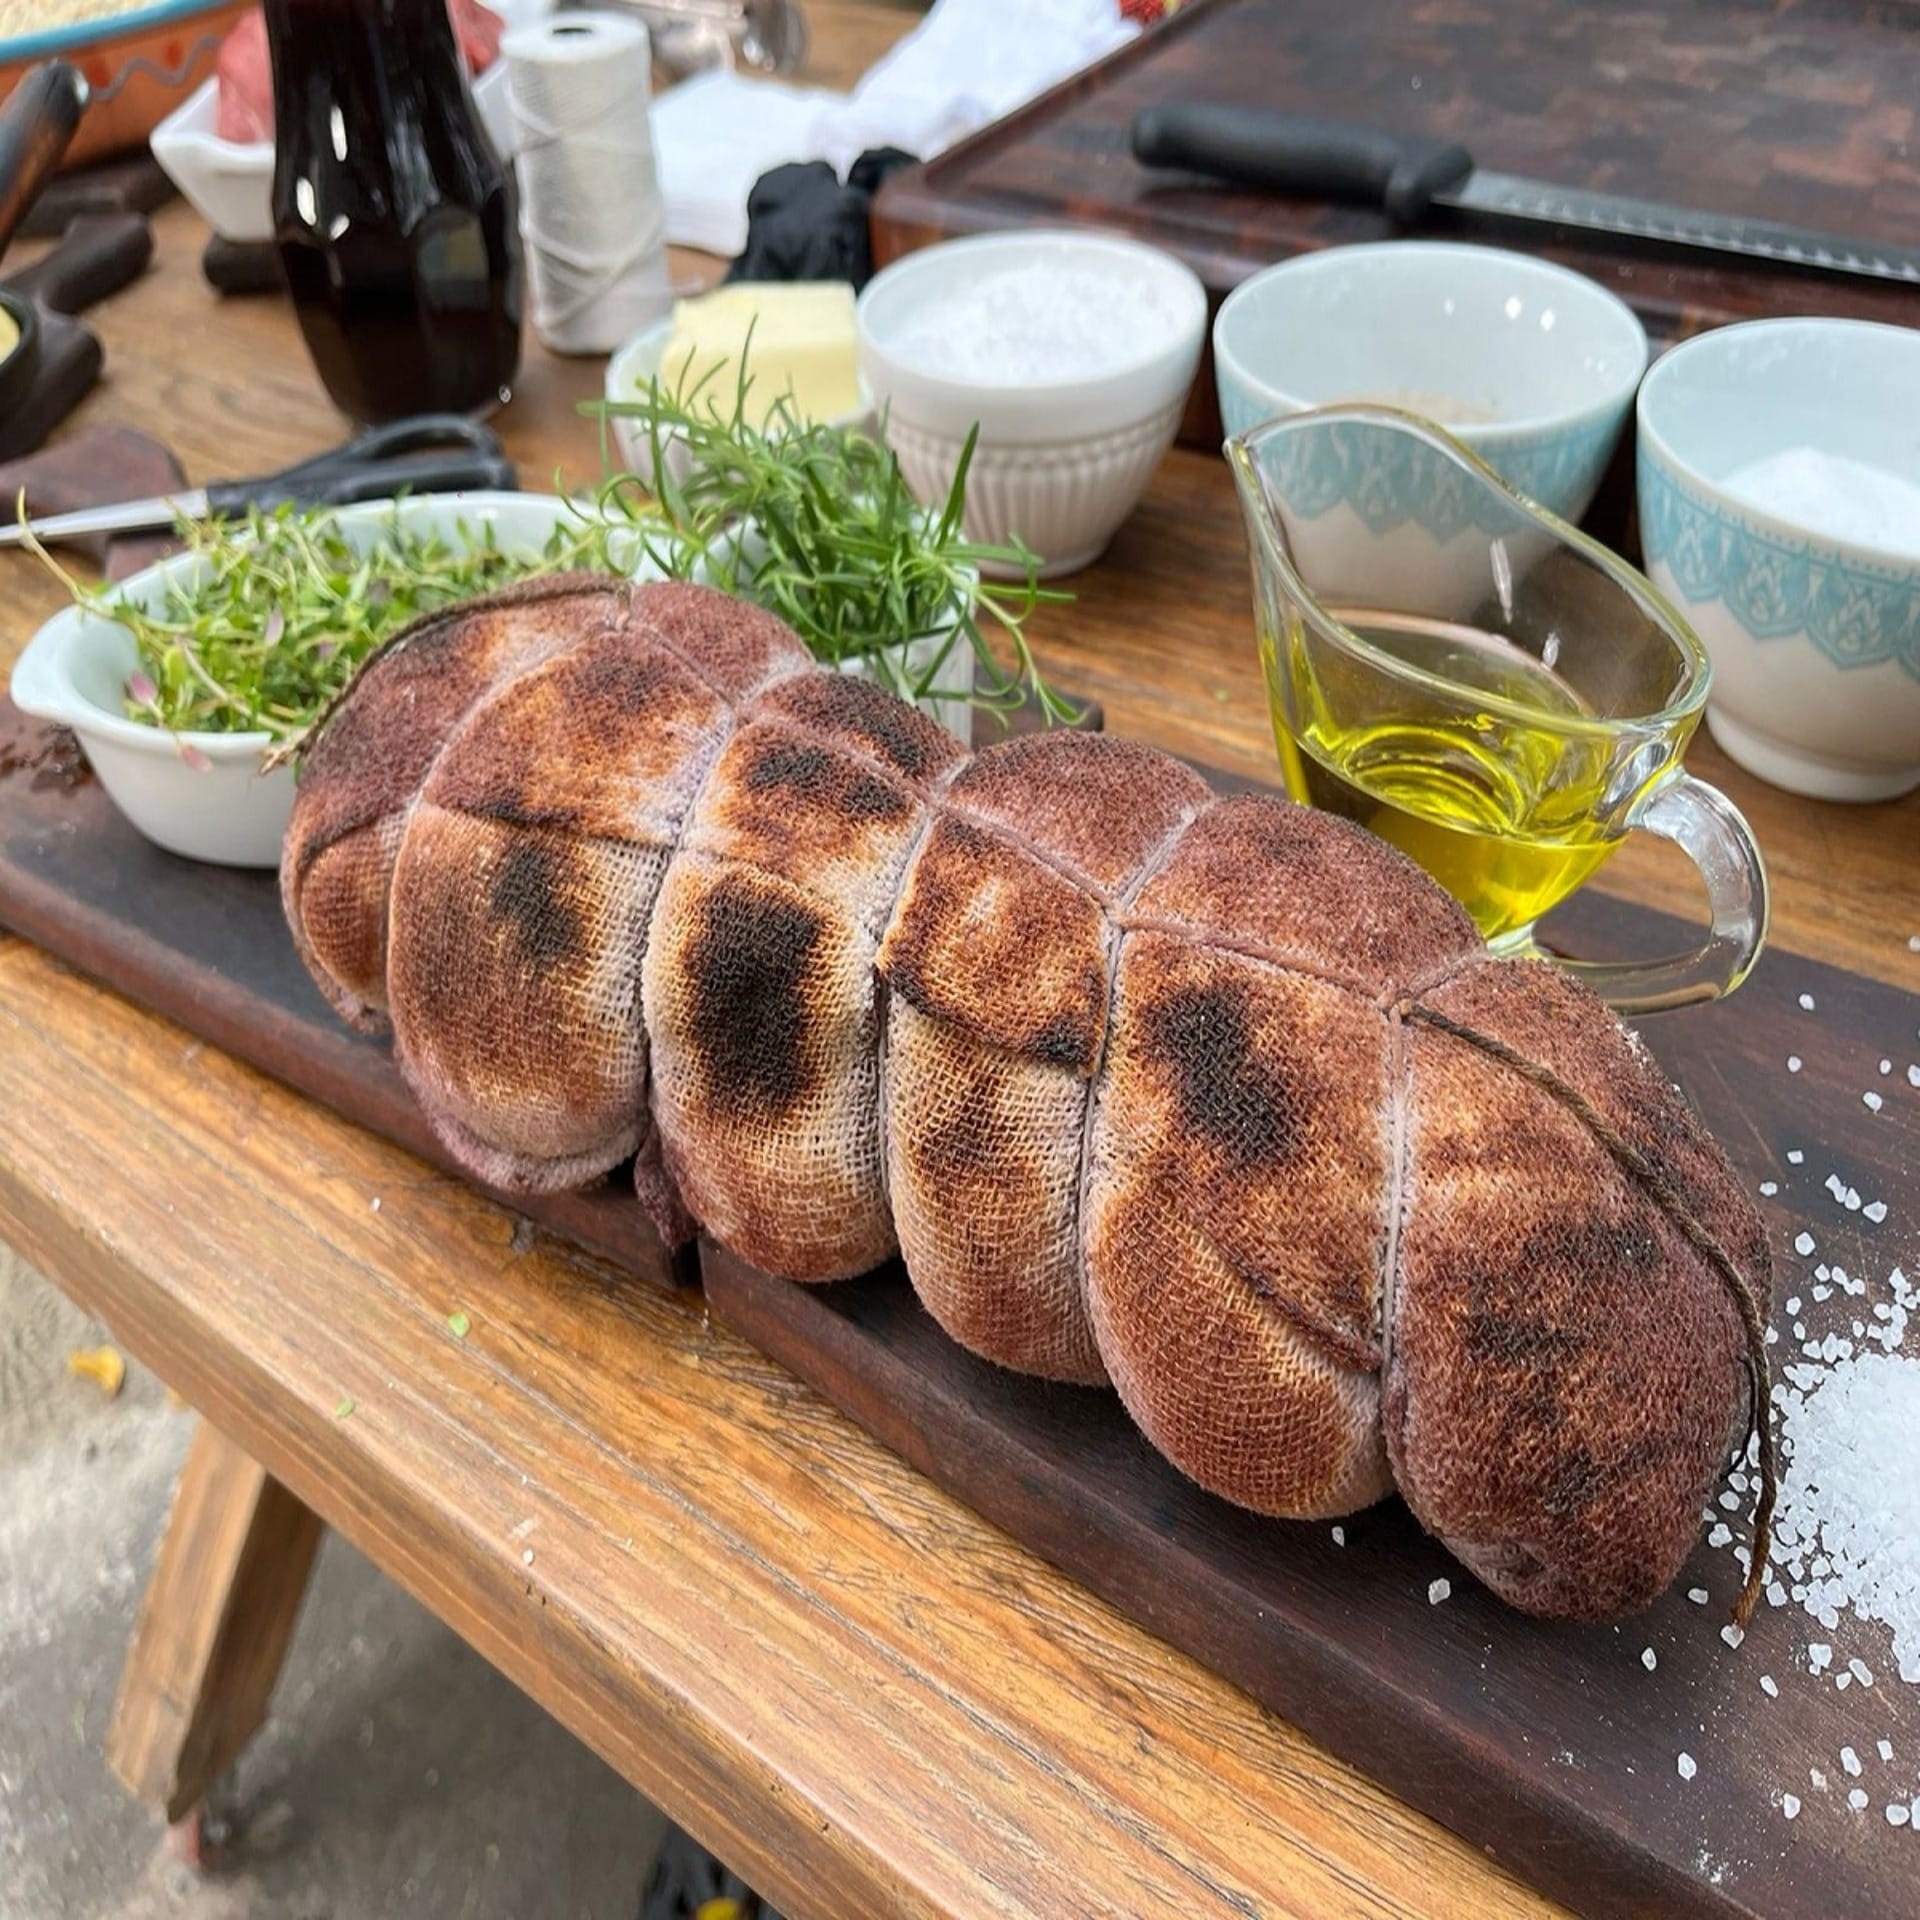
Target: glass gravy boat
1471 678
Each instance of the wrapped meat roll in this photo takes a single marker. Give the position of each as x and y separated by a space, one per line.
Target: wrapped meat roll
1218 1100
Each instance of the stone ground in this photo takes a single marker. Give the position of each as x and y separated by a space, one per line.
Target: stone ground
397 1775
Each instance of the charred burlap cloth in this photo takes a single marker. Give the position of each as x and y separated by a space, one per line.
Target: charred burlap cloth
1218 1100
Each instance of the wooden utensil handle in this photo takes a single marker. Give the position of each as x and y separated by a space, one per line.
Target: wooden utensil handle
36 123
101 253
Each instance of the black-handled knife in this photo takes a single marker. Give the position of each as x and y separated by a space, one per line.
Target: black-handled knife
1408 177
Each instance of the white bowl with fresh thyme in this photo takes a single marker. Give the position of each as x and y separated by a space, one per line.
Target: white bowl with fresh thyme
192 685
189 684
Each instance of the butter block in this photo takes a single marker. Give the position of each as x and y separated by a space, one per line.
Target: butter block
802 346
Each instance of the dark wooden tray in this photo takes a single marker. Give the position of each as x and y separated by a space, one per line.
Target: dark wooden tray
1801 113
1551 1746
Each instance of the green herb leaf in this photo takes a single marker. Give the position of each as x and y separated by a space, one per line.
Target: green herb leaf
817 525
459 1325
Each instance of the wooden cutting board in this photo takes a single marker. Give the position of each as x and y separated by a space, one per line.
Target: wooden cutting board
1806 112
1552 1746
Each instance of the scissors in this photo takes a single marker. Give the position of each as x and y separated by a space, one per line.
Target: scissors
427 453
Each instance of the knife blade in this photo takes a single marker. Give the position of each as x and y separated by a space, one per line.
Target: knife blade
1408 176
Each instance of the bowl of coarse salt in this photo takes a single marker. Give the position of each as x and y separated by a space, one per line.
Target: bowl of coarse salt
1779 482
1072 351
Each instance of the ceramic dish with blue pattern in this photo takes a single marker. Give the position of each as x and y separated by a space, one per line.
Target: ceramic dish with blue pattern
1531 366
1779 485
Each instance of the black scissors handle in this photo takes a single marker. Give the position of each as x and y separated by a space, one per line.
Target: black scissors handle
426 453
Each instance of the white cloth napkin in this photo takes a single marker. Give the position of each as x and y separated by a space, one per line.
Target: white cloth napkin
968 62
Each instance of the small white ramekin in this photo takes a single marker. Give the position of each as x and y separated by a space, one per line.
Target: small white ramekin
1059 463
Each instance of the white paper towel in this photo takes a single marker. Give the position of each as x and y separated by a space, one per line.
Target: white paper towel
968 62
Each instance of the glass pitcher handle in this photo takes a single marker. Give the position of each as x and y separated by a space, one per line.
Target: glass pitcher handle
1713 833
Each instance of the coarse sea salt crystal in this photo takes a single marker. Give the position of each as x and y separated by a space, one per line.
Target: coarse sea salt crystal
1649 1659
1768 1188
1438 1591
1686 1766
1769 1686
1871 1101
1851 1761
1913 1076
1793 1063
1732 1634
1806 1002
1698 1595
1857 1799
1850 1492
1720 1535
1818 1778
1790 1805
1339 1536
1885 1749
1795 1157
1898 1813
1803 1243
1876 1211
1842 1681
1793 1304
1886 1066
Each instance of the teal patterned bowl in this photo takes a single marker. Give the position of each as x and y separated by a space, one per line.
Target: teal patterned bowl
1779 487
1531 366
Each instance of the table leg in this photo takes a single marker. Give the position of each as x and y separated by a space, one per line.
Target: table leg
214 1626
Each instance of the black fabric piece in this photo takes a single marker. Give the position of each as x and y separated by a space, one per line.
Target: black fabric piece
804 223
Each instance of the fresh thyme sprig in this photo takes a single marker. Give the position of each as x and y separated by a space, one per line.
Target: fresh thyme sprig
816 524
263 635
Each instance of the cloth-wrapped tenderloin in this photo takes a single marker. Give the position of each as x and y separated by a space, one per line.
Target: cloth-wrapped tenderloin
1219 1100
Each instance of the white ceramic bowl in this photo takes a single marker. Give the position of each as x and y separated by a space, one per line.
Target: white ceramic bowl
634 366
1529 364
1814 636
74 671
230 182
1060 463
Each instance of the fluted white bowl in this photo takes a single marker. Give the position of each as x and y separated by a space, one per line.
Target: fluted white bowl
1060 463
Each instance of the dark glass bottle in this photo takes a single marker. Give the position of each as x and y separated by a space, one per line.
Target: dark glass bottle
394 215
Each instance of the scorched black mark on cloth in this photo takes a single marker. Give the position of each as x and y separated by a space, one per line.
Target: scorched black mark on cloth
748 977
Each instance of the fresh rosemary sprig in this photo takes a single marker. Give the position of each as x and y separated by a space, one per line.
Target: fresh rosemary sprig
816 524
266 633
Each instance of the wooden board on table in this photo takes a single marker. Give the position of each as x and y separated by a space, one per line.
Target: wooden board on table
1803 114
1551 1746
207 946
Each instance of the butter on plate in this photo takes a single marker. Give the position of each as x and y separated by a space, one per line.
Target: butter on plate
802 346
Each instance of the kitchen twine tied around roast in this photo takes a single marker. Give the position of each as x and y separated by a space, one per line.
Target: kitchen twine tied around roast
1638 1167
592 216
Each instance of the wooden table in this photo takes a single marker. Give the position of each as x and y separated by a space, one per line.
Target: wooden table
867 1700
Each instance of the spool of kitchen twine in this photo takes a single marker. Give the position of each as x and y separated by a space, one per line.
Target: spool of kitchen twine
591 214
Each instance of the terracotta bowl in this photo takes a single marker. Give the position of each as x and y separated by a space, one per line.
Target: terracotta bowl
141 64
